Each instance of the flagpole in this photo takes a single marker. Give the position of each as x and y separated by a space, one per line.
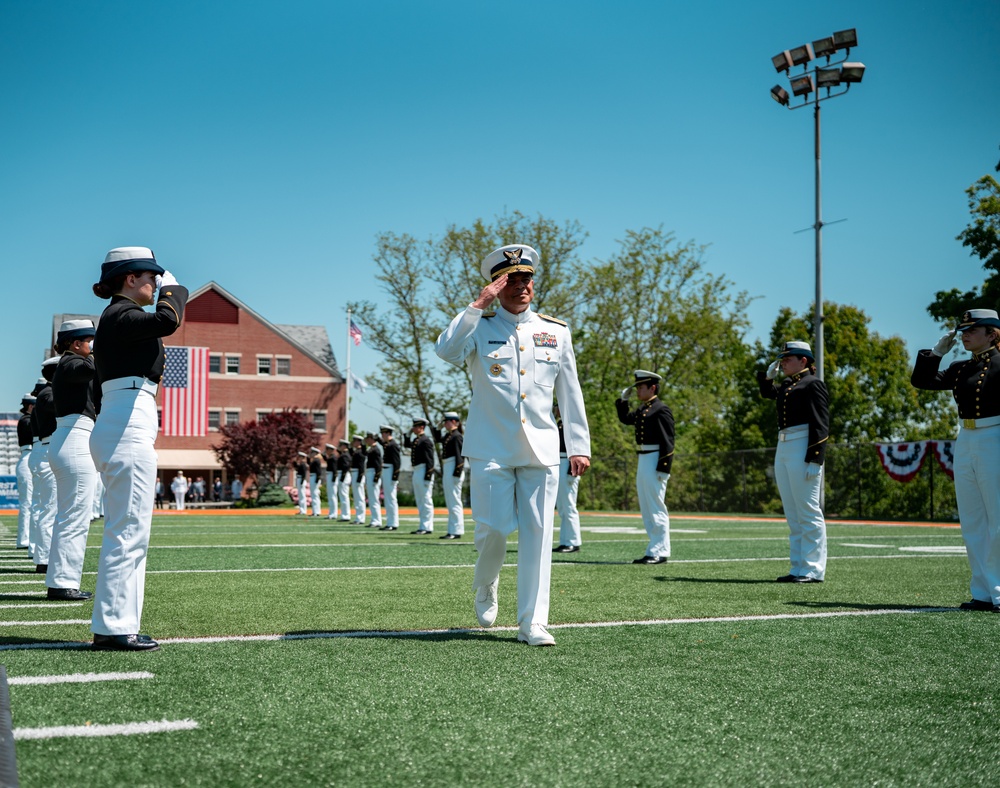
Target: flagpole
347 381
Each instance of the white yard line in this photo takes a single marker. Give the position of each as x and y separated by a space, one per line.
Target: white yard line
21 582
78 678
52 604
58 622
88 731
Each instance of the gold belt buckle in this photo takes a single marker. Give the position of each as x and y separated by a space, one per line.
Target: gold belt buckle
969 424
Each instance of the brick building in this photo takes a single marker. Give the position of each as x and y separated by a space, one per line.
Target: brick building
255 367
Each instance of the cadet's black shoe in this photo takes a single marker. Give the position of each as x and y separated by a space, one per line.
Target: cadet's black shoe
41 569
68 594
787 579
419 532
385 528
807 580
648 559
125 643
450 536
977 604
567 548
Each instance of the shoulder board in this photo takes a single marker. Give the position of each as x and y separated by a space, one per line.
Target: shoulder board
488 315
553 319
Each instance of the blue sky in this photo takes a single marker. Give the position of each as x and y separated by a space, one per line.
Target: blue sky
264 144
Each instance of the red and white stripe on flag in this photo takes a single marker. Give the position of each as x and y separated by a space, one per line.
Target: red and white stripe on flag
185 391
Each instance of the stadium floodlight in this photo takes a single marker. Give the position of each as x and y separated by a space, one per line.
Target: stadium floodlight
803 86
801 55
782 61
824 47
780 95
852 72
845 39
827 77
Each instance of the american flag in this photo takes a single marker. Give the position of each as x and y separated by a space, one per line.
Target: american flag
185 391
355 333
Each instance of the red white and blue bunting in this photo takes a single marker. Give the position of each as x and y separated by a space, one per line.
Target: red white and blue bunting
902 461
945 453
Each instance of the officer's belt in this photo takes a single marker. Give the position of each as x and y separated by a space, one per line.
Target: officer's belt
978 424
138 383
794 433
646 448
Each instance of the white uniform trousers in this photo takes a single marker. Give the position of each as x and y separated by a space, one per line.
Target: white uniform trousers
800 498
24 486
453 497
316 501
43 502
180 497
303 496
73 467
373 491
122 447
98 510
389 493
360 500
331 495
651 487
344 490
569 517
977 488
523 499
423 491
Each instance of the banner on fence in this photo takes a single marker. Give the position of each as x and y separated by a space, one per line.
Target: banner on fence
902 461
945 453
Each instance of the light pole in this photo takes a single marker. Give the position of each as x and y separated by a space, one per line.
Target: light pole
808 85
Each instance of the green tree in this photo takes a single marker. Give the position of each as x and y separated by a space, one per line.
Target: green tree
263 448
982 237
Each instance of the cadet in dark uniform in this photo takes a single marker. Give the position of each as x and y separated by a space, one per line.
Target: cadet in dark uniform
422 461
301 467
373 479
391 463
804 426
129 359
975 384
331 481
569 488
358 458
43 492
344 480
24 485
315 479
654 438
452 472
69 457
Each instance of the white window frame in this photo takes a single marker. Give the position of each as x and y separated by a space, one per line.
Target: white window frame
270 365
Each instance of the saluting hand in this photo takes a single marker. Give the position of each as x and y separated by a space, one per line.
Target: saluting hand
626 393
772 371
490 292
945 343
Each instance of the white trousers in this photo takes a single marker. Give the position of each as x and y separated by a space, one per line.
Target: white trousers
317 502
977 488
651 487
800 498
506 499
569 517
98 510
389 493
453 497
179 501
331 495
423 491
360 499
76 482
373 492
344 489
122 447
24 486
43 502
303 496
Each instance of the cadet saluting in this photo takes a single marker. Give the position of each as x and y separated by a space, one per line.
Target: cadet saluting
654 438
129 358
975 383
804 426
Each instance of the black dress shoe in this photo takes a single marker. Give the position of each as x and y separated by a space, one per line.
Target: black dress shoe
807 580
787 579
125 643
41 569
450 536
567 548
68 594
420 531
977 604
648 559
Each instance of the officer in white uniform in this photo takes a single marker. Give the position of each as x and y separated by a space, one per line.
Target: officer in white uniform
569 489
315 478
179 487
331 481
44 502
654 444
23 471
422 462
517 359
344 480
391 463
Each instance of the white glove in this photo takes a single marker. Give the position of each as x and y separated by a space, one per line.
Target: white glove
772 371
168 279
157 281
812 470
945 343
626 393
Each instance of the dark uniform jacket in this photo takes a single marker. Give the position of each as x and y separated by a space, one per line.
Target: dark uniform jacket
24 434
974 382
343 465
331 464
358 464
301 471
73 386
421 453
316 467
801 399
451 443
128 339
373 459
391 455
43 417
654 426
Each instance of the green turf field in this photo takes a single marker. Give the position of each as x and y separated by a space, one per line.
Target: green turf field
301 652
